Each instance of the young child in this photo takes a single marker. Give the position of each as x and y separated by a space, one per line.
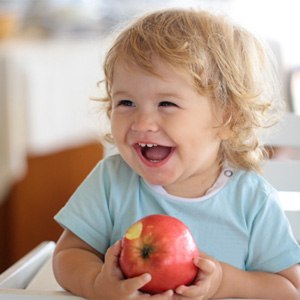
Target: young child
188 94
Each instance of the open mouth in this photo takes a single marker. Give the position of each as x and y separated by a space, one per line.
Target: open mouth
153 153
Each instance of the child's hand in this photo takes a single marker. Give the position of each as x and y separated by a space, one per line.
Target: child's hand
207 282
110 283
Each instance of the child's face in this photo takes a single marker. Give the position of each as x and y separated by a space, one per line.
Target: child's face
178 125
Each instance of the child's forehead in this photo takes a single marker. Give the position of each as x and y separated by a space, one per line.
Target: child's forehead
155 66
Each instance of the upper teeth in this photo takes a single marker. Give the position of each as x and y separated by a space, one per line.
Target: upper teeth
148 145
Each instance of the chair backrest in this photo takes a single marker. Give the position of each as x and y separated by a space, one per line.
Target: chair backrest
21 273
283 171
287 133
283 175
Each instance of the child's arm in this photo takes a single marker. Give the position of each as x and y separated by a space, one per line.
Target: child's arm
219 280
81 269
261 285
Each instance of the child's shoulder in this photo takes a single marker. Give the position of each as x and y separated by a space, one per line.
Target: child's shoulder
252 179
251 185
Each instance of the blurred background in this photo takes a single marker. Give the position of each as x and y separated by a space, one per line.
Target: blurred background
50 62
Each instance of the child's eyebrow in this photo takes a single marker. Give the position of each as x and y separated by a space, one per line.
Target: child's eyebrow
169 95
120 93
162 95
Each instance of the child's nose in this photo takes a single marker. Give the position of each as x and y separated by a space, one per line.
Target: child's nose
144 122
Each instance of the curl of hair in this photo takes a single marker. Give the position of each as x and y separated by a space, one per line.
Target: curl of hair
227 63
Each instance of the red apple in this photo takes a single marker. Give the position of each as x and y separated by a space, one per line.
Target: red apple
162 246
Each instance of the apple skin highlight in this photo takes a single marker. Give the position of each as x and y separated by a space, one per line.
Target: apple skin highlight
162 246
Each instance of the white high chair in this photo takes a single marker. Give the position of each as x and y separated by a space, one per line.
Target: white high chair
283 172
32 277
20 274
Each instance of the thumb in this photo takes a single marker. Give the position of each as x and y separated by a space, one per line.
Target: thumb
205 263
113 251
111 260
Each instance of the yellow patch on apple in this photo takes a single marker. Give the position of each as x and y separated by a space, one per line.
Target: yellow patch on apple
135 231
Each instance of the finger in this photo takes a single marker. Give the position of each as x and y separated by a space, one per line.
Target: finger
207 266
112 253
165 295
131 285
115 249
206 256
111 260
190 291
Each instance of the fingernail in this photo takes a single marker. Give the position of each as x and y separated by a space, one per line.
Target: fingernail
147 277
197 260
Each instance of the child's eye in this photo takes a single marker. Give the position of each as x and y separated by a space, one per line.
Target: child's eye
125 103
167 103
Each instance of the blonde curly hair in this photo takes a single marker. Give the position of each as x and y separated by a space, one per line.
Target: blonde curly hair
228 64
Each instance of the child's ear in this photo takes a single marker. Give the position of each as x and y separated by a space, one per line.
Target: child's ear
225 133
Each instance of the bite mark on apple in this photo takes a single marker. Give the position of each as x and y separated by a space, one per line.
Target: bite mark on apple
135 231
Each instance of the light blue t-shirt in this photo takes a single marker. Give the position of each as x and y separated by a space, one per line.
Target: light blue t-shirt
240 223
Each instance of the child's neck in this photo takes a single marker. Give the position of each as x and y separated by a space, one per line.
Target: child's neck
194 187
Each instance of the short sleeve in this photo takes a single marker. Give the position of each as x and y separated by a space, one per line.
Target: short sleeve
272 247
86 214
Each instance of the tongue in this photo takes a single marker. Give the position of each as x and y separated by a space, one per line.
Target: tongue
157 153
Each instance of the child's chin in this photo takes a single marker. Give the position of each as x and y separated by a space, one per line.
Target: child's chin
157 181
